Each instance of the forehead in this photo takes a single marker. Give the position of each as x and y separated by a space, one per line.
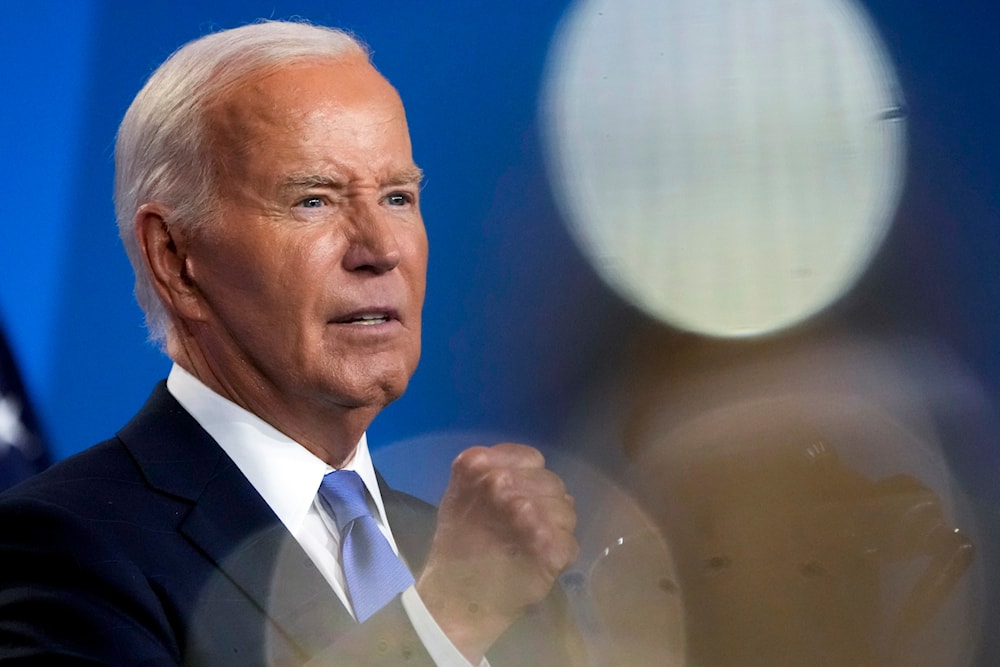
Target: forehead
346 81
334 108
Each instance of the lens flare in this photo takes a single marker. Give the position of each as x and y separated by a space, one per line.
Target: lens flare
730 167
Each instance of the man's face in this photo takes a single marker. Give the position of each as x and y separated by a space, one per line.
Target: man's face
312 278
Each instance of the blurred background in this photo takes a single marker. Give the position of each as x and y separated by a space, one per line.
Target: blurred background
732 263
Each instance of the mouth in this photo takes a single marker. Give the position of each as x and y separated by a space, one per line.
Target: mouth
367 318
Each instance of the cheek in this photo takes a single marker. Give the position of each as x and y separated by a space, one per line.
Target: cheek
221 271
244 274
288 267
417 252
307 265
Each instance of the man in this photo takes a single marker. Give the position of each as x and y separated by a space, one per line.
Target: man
269 203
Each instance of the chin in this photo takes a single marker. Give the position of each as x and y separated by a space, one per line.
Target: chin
376 392
371 382
393 390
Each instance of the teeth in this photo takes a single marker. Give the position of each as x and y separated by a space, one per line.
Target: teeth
370 319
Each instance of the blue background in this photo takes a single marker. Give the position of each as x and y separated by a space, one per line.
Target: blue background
469 77
517 326
515 320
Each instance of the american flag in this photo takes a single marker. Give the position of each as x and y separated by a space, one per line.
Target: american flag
22 448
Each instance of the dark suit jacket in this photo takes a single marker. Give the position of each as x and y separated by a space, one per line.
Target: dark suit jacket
152 548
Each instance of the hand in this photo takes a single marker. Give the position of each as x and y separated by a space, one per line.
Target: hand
504 533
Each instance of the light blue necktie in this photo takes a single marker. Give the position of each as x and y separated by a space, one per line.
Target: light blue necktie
374 573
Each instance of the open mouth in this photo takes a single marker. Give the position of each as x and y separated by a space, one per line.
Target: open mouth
367 319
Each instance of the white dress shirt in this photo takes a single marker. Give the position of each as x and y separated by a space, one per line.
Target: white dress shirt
287 476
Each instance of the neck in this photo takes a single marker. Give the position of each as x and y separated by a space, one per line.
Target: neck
330 431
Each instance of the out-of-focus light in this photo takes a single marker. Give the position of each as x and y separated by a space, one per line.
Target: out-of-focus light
729 166
805 494
621 592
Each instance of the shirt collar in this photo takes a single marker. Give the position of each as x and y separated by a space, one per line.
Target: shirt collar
284 473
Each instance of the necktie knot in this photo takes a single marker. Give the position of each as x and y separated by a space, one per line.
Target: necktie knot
344 492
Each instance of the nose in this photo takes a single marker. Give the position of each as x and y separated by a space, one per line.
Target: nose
372 243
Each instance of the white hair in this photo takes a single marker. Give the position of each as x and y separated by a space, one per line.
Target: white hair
163 153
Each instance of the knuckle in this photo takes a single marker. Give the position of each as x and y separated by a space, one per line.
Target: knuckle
523 511
470 461
498 482
524 454
542 538
533 456
557 488
571 521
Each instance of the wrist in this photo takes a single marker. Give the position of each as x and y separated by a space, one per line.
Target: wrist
470 625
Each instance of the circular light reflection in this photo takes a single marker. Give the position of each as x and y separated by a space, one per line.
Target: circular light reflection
731 166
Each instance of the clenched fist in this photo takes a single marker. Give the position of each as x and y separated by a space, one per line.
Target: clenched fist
504 533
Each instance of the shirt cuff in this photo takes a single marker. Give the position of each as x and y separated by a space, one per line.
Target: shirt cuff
439 647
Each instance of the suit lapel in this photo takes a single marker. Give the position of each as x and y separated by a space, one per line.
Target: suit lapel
412 522
233 527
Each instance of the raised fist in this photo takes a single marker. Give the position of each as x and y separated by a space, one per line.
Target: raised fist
504 533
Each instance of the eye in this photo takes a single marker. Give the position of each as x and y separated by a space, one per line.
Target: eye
399 199
311 202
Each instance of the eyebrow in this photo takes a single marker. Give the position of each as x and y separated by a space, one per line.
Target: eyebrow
409 176
296 181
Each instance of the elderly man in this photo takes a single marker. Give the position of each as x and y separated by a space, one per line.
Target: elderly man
269 203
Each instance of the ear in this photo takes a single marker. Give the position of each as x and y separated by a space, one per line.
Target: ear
165 252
